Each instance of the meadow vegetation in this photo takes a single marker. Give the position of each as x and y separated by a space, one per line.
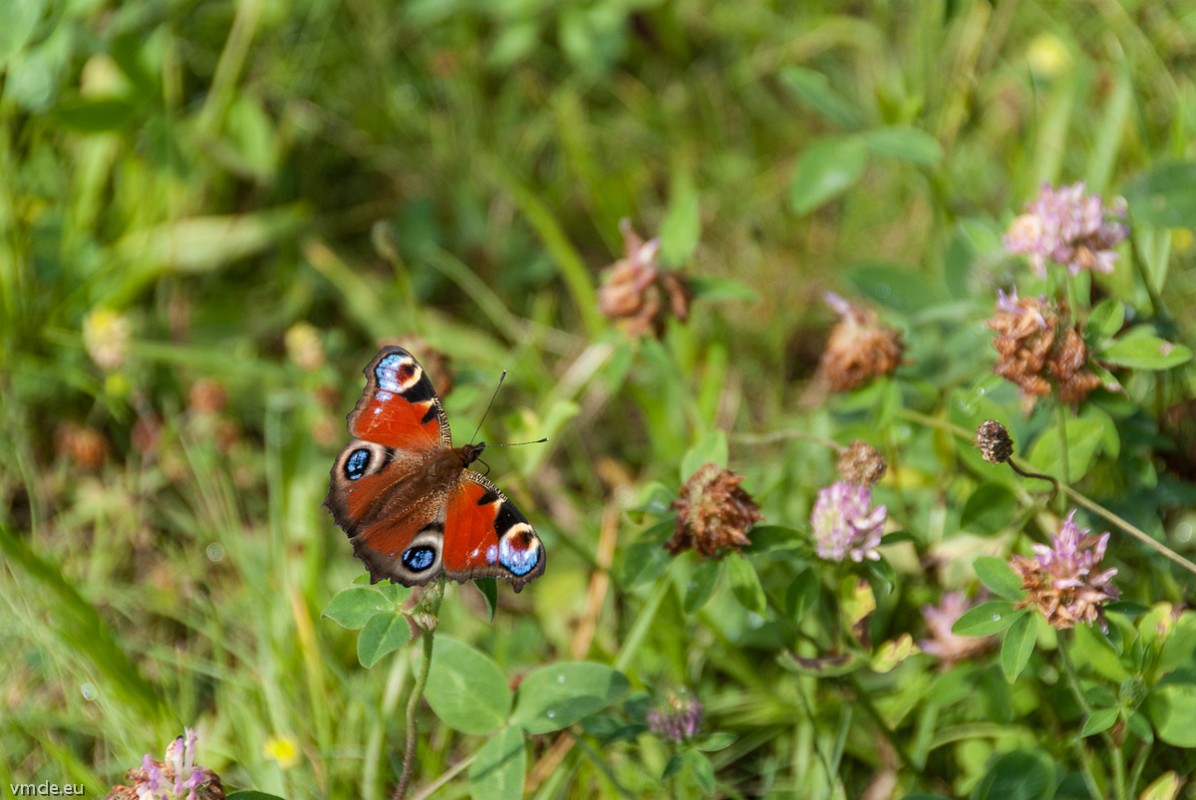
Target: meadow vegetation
212 214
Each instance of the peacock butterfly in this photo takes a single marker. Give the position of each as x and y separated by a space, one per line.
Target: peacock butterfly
407 498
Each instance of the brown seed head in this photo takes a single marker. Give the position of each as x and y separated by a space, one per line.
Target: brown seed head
859 348
208 397
713 513
85 447
993 440
637 293
862 464
1038 347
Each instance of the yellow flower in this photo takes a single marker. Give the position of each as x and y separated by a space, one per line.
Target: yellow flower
1048 56
283 750
106 336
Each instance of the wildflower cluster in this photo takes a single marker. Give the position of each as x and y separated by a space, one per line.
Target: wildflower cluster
845 524
1038 347
1069 227
713 513
1064 580
679 719
175 777
638 293
859 348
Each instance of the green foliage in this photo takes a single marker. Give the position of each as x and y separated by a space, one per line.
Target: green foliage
211 213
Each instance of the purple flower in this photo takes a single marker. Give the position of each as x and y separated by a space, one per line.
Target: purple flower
1068 227
1064 581
678 720
845 524
945 645
175 777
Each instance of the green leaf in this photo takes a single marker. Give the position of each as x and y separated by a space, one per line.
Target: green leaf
499 770
1165 787
701 770
1106 319
827 169
489 589
351 608
466 689
714 287
20 20
745 583
999 577
714 742
1019 775
813 90
1084 437
989 509
93 116
702 583
987 619
710 449
1017 647
556 696
801 595
905 143
900 288
1099 720
250 794
384 633
681 227
1145 352
1172 707
646 559
1164 197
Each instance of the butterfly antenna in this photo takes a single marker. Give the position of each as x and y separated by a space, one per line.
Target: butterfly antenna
501 378
519 444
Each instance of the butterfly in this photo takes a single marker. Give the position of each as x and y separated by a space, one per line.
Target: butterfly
406 497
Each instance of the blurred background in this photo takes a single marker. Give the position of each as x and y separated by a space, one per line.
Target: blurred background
213 212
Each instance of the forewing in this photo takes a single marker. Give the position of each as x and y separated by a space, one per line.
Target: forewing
399 408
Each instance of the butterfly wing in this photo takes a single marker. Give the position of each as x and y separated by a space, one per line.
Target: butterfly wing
399 408
486 536
399 427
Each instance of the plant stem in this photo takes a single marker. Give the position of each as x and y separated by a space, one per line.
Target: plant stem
864 700
1080 499
417 692
1064 460
1073 681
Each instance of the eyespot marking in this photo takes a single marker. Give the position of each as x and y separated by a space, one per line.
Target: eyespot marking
518 550
419 558
397 373
357 463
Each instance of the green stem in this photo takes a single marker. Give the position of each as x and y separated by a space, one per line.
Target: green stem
1019 466
417 692
1073 681
865 700
1064 460
1139 766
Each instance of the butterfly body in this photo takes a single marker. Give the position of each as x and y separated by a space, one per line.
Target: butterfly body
406 497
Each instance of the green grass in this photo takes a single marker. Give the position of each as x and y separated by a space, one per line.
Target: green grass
217 173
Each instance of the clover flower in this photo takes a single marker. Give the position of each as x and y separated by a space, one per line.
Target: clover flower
943 644
636 288
1038 348
1064 580
1068 227
994 441
713 513
859 348
845 524
175 777
679 719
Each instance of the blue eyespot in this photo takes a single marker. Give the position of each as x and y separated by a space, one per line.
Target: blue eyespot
519 562
394 373
357 463
419 558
